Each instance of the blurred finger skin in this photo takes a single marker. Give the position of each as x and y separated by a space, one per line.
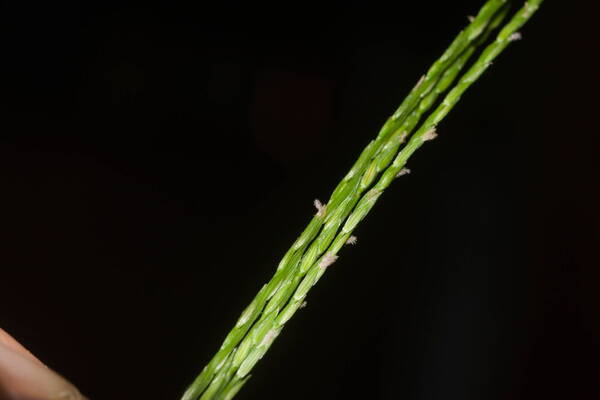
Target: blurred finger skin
11 343
24 377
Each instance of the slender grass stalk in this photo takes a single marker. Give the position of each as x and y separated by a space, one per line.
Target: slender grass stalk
332 226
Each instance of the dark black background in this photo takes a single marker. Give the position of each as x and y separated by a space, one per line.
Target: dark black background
156 160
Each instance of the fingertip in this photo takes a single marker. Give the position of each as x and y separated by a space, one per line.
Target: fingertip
24 378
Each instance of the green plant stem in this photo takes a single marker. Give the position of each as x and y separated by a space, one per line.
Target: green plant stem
348 185
306 261
287 266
